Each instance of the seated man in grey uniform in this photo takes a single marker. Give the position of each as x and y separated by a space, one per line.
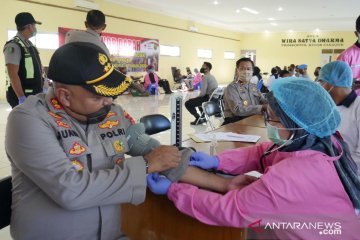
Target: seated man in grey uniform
241 97
209 84
67 152
95 25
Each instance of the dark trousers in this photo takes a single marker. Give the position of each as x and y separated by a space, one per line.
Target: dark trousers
192 103
165 85
11 98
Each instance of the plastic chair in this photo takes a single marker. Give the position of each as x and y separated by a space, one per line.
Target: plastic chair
212 109
153 89
216 96
5 201
155 123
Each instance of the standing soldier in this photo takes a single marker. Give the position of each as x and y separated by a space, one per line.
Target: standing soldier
23 65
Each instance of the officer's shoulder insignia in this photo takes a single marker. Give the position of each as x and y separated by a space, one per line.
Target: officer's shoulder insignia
79 166
11 49
119 160
128 117
109 124
110 114
62 124
77 149
55 104
54 115
118 146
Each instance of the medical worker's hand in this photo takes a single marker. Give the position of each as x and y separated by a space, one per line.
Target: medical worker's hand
22 99
240 182
203 160
158 184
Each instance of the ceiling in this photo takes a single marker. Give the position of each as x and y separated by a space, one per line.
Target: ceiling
298 16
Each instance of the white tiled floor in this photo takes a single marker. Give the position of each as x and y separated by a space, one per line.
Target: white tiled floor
136 106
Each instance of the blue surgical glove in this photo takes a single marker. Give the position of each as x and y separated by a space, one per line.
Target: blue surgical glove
204 160
22 99
158 184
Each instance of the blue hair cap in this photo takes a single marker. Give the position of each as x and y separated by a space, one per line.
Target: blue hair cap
302 66
307 104
337 73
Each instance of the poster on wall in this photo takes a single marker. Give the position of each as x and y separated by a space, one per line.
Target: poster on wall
134 53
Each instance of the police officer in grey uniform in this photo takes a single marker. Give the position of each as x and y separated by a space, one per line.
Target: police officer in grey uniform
95 25
23 65
241 97
67 152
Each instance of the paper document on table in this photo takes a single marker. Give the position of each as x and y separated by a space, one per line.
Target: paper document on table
224 136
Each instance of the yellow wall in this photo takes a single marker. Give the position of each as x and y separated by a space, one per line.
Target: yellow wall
189 42
268 46
270 52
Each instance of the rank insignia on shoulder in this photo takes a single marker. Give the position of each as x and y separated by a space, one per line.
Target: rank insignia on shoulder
110 114
128 117
54 115
118 146
55 103
109 124
77 149
62 124
118 161
79 166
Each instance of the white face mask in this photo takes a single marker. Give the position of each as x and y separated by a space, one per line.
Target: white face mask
245 75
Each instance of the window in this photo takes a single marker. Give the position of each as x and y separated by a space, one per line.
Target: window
173 51
204 53
229 55
41 40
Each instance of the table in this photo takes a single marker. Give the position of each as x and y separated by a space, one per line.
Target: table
158 219
236 127
254 121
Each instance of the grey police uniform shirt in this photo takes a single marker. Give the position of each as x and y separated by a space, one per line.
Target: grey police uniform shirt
12 51
209 84
55 196
242 100
86 36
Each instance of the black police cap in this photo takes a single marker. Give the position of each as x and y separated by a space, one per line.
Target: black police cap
24 18
87 65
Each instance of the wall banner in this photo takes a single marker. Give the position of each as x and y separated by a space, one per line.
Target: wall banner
312 41
134 53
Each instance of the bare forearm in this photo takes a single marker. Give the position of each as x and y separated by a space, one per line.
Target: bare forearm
204 179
